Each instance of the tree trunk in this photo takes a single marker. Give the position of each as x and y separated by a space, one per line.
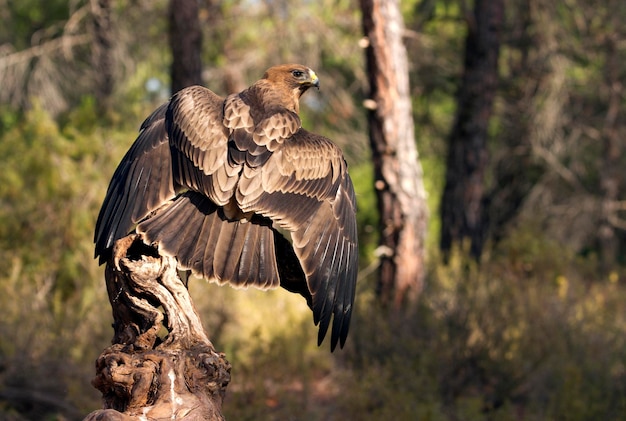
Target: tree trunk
102 57
462 206
515 170
185 43
161 365
398 173
611 168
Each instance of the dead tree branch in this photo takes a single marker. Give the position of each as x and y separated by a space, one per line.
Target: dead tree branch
161 364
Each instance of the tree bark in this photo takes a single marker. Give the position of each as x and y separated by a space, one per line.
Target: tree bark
398 173
161 365
462 207
185 43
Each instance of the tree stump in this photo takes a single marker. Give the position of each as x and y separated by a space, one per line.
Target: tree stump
161 364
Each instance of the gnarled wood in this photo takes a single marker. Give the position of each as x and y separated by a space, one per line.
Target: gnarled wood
161 364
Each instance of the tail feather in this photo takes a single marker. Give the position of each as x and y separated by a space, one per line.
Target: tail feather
203 255
195 231
228 250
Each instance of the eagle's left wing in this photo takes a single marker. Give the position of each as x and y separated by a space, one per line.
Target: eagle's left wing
305 188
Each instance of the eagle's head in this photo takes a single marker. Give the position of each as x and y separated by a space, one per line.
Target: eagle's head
296 76
284 84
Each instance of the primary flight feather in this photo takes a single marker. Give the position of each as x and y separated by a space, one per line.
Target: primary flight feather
210 181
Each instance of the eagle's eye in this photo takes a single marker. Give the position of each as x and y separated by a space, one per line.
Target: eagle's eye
297 73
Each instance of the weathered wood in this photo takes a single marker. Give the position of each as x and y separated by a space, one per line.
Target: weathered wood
161 364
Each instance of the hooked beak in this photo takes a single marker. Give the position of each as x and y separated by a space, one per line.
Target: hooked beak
314 80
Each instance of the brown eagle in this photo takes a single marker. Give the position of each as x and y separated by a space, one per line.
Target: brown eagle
212 180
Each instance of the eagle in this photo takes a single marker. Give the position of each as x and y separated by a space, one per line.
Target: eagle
239 193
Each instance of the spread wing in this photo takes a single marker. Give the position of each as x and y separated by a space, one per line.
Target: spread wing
141 183
202 228
304 187
199 144
245 168
195 231
179 144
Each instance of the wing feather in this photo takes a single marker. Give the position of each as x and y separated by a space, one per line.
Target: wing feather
194 230
273 130
305 188
247 165
200 143
195 116
141 183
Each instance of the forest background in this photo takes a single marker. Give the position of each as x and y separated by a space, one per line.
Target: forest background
532 327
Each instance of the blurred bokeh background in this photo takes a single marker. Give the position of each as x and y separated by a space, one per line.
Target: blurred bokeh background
533 328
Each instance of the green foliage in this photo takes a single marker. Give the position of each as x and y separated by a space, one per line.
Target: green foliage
24 19
367 210
269 338
45 199
530 334
492 342
533 333
55 317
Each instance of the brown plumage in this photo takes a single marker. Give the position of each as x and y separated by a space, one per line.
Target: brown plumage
211 180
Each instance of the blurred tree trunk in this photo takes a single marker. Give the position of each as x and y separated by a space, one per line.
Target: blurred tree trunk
515 170
185 43
462 205
102 52
514 174
398 173
610 168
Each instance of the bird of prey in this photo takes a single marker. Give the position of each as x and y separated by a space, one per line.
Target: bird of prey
216 182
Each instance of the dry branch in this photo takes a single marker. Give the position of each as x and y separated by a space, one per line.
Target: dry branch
161 364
